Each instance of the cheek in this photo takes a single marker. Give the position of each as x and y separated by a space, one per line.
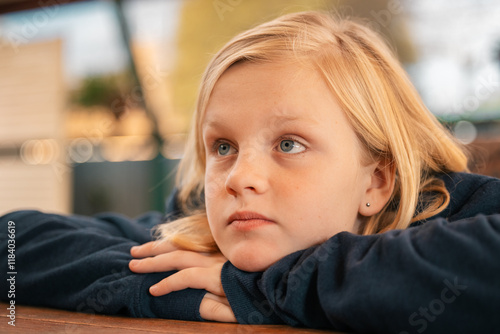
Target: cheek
325 202
215 183
215 192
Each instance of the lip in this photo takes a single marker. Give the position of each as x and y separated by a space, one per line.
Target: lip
247 220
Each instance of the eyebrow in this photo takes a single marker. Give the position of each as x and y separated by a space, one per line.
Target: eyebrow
282 119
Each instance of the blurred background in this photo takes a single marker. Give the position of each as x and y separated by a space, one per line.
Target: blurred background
96 96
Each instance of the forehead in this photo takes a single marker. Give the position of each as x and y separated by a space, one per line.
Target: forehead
257 78
284 91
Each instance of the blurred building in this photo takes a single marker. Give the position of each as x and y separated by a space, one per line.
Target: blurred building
33 169
61 157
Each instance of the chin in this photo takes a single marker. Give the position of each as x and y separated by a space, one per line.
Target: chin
250 266
253 262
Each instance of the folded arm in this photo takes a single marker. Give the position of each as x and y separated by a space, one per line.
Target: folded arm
431 278
81 264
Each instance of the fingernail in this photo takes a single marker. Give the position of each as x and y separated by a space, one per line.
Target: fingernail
134 263
133 249
153 290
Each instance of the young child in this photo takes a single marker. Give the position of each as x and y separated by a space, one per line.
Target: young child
305 127
316 170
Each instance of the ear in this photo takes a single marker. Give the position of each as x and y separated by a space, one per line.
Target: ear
381 185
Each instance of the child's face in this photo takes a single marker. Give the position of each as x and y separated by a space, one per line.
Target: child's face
283 168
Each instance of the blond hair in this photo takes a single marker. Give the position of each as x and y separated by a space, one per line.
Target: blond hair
382 106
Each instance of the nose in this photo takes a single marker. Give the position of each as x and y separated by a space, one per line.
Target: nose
247 175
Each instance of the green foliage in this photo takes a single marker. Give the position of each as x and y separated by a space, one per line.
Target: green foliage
105 90
97 91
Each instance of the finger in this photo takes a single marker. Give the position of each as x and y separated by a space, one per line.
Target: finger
152 248
214 310
194 278
219 299
175 260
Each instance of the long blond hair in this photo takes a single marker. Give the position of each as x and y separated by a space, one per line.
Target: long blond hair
381 104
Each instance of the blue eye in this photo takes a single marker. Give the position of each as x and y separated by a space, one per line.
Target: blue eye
286 145
223 149
291 146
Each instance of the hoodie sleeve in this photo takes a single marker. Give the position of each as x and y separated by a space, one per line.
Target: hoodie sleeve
435 278
439 276
81 263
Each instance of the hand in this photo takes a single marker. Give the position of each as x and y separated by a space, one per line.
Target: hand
195 270
152 248
216 308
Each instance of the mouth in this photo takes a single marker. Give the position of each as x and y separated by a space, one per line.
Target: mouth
247 220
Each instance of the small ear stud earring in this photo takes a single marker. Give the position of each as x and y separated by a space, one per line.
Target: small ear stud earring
368 204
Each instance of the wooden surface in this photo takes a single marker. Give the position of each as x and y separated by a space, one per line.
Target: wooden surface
45 320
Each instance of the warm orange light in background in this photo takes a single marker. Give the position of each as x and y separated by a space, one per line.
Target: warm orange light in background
40 151
129 148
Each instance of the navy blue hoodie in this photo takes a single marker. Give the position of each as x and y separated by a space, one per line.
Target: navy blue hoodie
439 275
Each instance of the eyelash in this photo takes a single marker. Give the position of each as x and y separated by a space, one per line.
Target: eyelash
216 144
